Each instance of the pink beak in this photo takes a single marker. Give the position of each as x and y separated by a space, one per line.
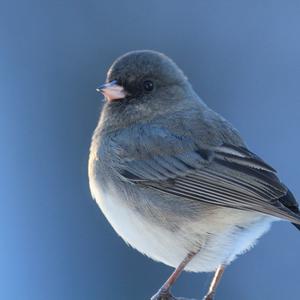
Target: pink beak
112 91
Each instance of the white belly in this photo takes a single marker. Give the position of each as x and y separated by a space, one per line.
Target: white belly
216 236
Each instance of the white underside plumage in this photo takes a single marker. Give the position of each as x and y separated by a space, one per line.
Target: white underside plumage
222 235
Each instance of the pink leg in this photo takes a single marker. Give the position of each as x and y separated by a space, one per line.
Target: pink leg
214 283
164 292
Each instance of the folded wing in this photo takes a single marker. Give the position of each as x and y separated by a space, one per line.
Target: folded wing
227 175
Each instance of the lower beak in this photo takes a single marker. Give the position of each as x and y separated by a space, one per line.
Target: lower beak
112 91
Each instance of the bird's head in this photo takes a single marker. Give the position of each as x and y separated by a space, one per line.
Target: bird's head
143 84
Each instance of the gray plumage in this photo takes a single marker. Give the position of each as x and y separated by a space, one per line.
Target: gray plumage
173 176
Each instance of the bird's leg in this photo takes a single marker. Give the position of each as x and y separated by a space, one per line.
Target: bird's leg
214 283
164 291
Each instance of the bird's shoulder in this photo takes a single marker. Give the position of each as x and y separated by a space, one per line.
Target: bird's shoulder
169 134
183 141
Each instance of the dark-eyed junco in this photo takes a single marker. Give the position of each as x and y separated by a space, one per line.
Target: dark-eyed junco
174 178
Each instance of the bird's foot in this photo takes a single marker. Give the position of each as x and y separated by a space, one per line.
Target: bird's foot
209 296
166 295
163 295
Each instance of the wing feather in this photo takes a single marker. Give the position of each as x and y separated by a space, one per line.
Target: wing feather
228 176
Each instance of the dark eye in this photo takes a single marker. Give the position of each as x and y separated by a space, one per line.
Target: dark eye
148 85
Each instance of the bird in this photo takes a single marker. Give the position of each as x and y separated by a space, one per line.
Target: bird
174 178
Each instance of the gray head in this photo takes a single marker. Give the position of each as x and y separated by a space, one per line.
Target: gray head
142 84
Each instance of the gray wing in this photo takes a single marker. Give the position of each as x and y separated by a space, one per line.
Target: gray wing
226 175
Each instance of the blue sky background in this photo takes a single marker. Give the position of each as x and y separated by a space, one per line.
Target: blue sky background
242 57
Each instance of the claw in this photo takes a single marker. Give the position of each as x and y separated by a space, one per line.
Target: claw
166 295
163 295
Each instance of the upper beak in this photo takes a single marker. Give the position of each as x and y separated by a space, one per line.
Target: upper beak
112 91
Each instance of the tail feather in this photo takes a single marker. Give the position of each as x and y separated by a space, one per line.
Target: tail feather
296 225
290 202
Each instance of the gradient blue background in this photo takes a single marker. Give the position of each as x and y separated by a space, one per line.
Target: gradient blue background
242 57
